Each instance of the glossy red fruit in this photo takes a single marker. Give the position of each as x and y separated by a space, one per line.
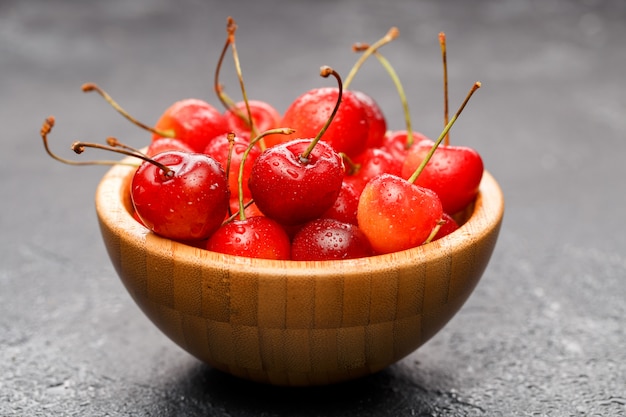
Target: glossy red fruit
370 164
349 129
453 172
396 215
188 202
397 144
264 116
329 239
345 206
253 237
293 191
167 144
192 121
375 118
219 149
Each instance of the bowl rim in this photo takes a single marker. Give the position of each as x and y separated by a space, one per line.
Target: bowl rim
113 208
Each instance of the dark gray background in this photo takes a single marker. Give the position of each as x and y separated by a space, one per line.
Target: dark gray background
543 334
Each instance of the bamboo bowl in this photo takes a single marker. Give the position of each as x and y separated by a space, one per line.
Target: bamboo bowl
297 323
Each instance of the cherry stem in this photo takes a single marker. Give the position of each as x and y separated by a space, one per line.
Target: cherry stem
46 128
231 144
325 71
229 104
421 167
88 87
405 105
352 167
238 213
253 142
232 28
434 232
226 101
391 34
442 43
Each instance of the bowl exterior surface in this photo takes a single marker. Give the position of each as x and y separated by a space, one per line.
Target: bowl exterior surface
296 323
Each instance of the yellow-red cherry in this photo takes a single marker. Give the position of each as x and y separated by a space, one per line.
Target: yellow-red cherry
396 215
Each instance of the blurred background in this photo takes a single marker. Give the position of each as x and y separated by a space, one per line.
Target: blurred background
543 333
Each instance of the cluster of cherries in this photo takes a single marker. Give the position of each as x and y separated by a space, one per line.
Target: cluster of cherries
325 180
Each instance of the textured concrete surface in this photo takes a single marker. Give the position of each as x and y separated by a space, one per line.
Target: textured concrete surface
543 334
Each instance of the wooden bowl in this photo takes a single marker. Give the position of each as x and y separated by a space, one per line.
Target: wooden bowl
297 323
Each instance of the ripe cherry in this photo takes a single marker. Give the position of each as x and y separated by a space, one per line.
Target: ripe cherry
370 164
349 130
192 121
376 120
179 195
345 206
167 144
264 115
329 239
453 172
186 201
252 237
299 180
229 155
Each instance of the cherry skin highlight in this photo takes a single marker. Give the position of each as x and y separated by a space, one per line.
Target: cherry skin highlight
187 203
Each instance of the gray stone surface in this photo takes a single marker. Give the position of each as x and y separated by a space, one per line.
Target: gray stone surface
543 334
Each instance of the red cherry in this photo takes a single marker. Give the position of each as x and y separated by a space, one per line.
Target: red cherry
453 172
298 181
345 206
292 191
192 121
397 142
329 239
252 237
370 164
264 116
376 120
349 129
220 150
188 201
167 144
